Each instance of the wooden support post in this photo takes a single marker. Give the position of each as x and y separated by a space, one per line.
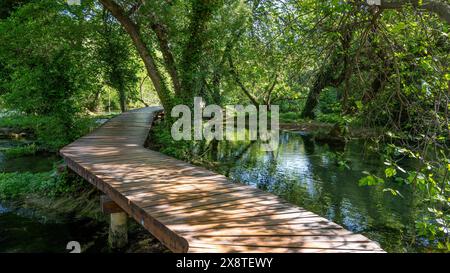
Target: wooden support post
109 206
118 228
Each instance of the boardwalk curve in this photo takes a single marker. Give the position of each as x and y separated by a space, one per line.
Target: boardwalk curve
192 209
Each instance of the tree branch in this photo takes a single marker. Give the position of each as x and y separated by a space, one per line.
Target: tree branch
202 11
440 8
238 81
132 29
161 34
270 89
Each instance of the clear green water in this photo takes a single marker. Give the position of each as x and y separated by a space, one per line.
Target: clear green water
301 171
307 173
23 230
31 163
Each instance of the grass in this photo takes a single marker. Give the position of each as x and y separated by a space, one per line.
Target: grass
54 194
104 115
30 149
50 132
162 140
332 118
14 185
18 122
290 117
50 184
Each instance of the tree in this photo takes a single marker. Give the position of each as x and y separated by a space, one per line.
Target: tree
438 7
48 65
8 6
119 63
188 57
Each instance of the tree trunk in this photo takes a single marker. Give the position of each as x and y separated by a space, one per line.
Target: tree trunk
93 105
324 79
269 90
192 79
169 60
122 97
238 81
132 29
348 67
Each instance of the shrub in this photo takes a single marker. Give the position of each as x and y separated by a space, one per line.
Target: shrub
51 184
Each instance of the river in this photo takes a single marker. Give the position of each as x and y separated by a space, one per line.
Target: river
323 178
316 176
27 230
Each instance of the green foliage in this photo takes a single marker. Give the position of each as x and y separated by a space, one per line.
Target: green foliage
19 185
120 64
47 63
162 140
370 180
430 181
340 160
289 117
51 133
390 172
350 64
17 122
51 184
50 72
336 118
329 102
8 6
329 109
14 185
21 151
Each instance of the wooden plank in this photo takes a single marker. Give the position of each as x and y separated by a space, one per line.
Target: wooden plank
108 205
214 204
349 242
221 216
322 248
169 238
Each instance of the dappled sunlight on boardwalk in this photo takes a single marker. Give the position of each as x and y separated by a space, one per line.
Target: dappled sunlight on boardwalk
192 209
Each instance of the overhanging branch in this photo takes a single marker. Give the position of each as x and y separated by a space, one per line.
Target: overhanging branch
440 8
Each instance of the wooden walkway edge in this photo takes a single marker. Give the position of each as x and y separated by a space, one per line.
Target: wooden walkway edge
192 209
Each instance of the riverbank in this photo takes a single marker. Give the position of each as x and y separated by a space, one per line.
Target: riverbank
71 208
320 175
35 134
331 129
43 205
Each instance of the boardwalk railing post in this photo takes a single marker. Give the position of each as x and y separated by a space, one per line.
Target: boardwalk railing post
118 228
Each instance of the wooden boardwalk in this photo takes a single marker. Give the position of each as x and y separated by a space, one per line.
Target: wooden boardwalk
192 209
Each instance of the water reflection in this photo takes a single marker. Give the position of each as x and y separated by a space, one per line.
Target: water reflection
24 234
40 162
307 173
